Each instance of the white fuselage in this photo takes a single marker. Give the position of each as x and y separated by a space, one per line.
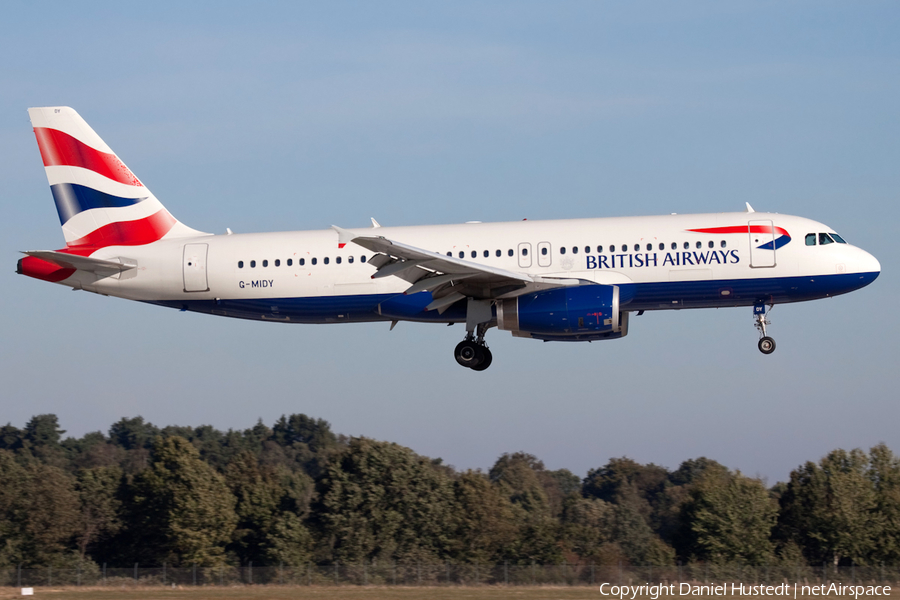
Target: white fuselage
680 268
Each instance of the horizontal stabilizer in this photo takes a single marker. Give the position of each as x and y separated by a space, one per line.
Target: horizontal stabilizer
81 263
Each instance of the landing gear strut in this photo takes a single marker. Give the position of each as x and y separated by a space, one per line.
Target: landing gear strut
472 352
766 344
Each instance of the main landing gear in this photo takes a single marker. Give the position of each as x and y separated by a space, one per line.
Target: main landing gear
766 344
472 352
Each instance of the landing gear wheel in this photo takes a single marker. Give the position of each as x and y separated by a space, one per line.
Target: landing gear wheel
766 345
485 361
468 353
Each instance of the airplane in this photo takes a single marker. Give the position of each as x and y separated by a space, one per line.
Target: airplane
559 280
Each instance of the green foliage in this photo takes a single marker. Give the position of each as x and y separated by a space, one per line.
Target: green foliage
288 541
730 518
297 492
884 472
13 508
485 526
132 434
383 501
100 507
831 510
183 505
587 525
522 479
38 512
270 504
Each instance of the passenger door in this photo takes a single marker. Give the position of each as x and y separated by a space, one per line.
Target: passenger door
194 265
762 244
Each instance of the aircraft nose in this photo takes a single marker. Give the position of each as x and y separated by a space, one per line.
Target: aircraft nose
869 264
866 267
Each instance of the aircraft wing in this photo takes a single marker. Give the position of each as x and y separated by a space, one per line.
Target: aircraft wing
448 279
81 263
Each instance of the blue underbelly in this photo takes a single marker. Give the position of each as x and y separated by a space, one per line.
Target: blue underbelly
644 296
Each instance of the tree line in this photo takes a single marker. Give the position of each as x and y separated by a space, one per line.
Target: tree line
296 493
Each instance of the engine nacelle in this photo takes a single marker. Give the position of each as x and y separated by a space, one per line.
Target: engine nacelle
573 314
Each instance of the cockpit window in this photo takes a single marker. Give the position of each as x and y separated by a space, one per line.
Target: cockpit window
824 238
837 238
810 239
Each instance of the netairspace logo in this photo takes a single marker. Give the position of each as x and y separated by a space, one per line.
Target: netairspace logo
739 589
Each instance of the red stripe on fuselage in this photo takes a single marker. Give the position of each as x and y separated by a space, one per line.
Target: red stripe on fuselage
61 149
124 233
743 229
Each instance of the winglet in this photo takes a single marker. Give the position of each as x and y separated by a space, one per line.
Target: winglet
749 208
345 236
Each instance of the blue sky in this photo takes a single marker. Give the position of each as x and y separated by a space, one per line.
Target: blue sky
297 116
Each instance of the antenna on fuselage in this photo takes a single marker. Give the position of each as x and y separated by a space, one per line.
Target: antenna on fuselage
749 208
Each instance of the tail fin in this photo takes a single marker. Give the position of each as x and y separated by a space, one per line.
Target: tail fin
99 200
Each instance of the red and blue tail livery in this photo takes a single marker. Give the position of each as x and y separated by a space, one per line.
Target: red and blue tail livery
564 280
100 202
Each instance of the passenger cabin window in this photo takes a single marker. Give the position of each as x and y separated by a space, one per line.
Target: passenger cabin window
487 253
524 251
624 247
662 246
277 262
674 246
587 249
574 249
824 238
301 262
510 252
499 253
637 247
350 259
325 260
362 258
544 251
290 262
474 254
810 239
265 263
722 243
687 245
599 249
252 264
337 260
562 249
240 264
712 244
699 244
313 261
649 247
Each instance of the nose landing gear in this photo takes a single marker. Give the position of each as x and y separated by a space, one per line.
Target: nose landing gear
766 344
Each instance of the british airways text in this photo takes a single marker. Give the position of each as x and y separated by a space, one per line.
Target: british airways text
674 259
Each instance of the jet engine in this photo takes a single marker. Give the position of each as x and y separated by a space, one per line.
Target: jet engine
571 314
